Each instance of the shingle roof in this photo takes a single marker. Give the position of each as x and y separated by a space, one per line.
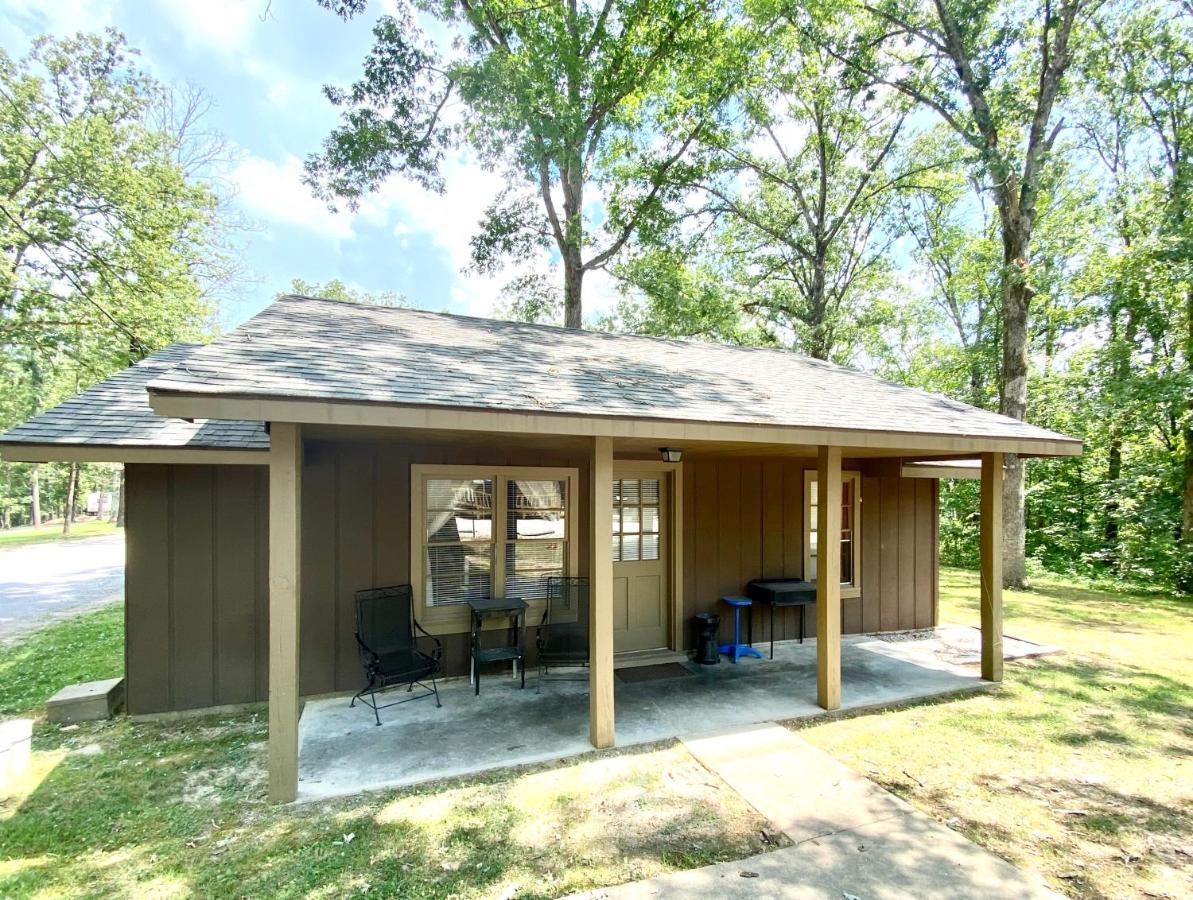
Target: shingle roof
116 413
301 347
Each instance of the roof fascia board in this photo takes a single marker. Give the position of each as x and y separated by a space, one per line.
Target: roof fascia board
323 412
44 453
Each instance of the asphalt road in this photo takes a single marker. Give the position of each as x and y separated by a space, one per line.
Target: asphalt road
43 582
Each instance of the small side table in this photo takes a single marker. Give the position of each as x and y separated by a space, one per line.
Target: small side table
512 608
737 649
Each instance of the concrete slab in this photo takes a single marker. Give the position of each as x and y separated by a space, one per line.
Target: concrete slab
804 792
853 839
342 752
86 702
905 858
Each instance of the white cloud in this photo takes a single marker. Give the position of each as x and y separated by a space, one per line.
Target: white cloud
274 191
220 25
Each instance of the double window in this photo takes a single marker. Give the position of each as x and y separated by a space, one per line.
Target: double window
848 544
482 532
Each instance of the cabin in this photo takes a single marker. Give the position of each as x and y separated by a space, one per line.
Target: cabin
322 448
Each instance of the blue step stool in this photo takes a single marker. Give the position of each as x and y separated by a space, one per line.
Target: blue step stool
737 649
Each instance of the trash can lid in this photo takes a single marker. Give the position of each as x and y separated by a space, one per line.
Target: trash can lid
708 616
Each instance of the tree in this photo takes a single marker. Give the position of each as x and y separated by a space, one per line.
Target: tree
994 75
113 239
337 290
563 98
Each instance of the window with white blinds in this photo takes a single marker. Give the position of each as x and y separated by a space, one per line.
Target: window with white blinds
636 519
483 533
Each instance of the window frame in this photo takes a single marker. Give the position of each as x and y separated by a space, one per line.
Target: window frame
452 618
849 590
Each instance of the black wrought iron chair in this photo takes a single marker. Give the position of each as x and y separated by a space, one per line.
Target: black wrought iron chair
562 638
387 636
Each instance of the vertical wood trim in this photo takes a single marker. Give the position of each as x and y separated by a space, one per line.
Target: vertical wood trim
677 559
871 552
285 548
600 624
935 552
991 555
828 581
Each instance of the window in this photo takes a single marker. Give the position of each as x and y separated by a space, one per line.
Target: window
850 530
636 519
480 532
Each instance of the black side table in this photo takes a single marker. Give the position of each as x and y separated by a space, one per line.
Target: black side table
512 608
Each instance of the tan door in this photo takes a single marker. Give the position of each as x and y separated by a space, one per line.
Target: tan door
641 593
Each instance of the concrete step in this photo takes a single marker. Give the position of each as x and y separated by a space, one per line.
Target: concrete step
86 702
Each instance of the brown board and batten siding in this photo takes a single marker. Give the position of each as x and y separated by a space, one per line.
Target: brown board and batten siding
196 612
744 519
196 597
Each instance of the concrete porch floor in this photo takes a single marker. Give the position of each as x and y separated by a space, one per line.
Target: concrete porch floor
342 752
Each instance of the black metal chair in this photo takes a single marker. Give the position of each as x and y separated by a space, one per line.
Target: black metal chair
562 637
387 636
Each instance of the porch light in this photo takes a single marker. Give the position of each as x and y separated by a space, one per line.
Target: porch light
671 454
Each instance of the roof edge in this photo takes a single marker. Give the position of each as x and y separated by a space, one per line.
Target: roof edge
326 411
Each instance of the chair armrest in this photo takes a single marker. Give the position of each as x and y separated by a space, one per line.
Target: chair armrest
437 654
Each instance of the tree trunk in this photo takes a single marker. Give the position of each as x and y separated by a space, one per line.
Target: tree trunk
120 501
573 283
72 484
1016 295
35 496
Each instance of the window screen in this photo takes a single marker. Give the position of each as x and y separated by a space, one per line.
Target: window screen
459 540
536 535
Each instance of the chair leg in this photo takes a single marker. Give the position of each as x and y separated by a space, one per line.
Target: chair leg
376 714
435 688
477 678
522 670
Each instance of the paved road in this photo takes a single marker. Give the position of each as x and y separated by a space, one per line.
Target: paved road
43 582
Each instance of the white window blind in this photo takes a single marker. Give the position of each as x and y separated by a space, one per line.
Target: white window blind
536 535
459 540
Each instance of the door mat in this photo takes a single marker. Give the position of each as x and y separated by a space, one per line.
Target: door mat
635 674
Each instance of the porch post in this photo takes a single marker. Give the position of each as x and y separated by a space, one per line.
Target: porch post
991 560
285 549
600 576
828 578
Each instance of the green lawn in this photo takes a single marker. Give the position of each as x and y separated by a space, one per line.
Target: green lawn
14 537
1081 765
128 808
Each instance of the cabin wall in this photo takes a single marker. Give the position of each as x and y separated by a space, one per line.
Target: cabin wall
744 519
196 587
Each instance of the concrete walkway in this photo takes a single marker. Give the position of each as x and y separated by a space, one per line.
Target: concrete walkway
852 838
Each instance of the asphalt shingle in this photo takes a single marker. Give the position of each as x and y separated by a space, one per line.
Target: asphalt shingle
301 347
116 413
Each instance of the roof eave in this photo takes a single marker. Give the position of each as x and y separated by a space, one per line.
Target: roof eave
29 452
210 405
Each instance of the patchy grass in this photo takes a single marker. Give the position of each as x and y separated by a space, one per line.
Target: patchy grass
13 537
85 648
1081 765
126 808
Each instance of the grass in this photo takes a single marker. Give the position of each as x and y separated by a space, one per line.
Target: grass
127 808
1080 766
15 537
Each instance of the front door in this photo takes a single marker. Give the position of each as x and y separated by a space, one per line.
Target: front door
641 593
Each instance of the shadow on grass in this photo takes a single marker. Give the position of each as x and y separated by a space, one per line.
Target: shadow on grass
179 809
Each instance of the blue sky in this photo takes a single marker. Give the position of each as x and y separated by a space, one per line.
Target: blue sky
263 64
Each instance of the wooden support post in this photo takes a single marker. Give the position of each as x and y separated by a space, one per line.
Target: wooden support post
991 559
285 554
600 562
828 578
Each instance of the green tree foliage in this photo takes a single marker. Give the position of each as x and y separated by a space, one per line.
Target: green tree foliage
566 100
337 290
112 244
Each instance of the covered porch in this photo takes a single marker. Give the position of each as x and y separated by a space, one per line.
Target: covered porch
342 752
336 745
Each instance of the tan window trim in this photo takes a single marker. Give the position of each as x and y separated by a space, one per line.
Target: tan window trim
848 591
453 618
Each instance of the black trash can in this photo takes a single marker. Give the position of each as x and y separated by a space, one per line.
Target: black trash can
706 638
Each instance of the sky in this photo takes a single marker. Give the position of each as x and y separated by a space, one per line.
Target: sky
263 63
